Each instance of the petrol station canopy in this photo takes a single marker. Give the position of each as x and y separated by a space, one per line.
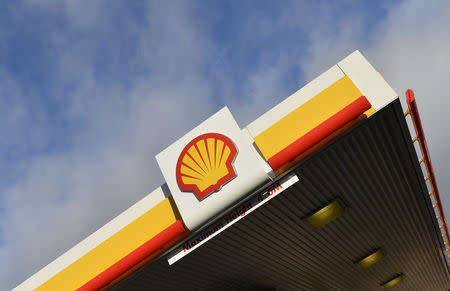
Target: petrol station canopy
328 190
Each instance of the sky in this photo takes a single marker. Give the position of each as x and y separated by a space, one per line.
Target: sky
91 91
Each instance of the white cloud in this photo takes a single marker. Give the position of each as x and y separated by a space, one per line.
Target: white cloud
410 47
64 196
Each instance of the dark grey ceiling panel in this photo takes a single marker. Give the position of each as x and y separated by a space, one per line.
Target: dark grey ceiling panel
373 171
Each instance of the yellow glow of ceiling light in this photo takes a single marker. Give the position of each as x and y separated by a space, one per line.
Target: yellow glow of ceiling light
326 214
394 281
371 259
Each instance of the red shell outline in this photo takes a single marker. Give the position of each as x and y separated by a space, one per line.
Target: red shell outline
229 164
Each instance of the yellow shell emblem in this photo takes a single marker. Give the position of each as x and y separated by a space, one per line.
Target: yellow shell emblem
205 164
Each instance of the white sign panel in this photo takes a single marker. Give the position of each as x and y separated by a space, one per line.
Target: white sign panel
210 169
230 218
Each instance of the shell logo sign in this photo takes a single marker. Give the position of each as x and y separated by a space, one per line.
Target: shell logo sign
206 164
215 156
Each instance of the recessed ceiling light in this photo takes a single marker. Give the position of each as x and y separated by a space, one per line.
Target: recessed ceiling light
394 281
371 259
326 214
